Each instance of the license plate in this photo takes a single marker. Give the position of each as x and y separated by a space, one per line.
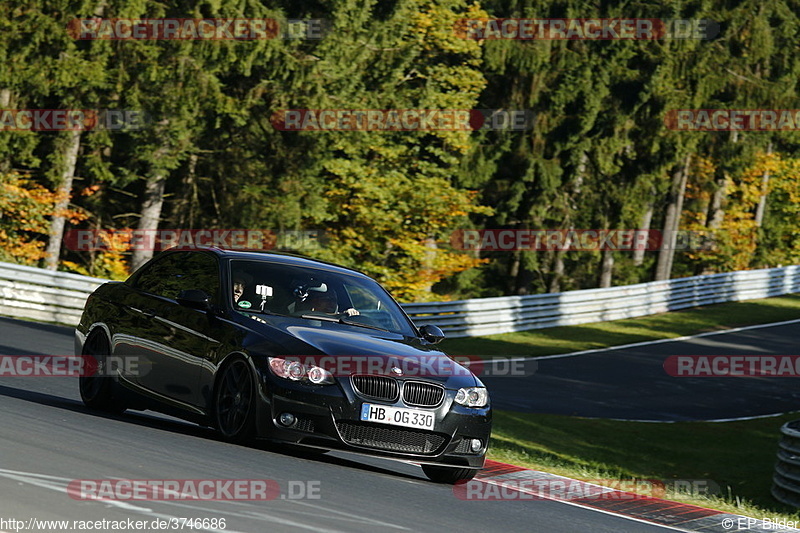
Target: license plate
397 416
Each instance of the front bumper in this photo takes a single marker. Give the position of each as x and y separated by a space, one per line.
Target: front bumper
329 417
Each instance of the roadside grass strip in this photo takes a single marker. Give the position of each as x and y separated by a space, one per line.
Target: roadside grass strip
738 455
501 481
601 335
723 465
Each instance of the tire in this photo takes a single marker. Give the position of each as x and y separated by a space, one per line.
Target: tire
234 402
447 474
97 392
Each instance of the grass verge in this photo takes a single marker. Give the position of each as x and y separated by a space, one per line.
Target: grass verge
604 334
736 457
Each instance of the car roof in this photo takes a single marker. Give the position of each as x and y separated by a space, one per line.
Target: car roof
273 257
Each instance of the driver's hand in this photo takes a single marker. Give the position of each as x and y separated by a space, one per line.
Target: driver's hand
350 312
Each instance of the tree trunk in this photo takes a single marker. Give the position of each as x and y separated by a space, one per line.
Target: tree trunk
429 262
558 272
666 233
152 202
183 207
513 272
676 223
558 265
70 161
524 280
671 221
607 268
715 211
715 208
762 201
521 274
5 103
647 219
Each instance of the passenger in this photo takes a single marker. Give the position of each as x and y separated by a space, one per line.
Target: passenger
238 287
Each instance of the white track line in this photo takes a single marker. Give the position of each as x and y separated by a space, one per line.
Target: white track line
661 341
644 343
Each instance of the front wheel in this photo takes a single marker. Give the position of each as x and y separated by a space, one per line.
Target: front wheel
97 390
447 474
235 402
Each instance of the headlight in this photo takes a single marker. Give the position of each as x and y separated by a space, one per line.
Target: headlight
295 371
472 397
319 376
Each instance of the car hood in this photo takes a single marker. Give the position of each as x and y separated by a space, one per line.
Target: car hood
348 350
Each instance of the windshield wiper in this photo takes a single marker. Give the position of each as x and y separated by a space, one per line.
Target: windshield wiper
342 320
361 324
326 318
259 311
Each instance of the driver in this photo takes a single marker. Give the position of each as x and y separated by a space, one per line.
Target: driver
321 301
325 302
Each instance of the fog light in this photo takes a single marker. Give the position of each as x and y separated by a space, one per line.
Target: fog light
476 445
286 419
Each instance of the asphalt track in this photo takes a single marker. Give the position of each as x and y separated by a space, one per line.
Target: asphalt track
630 383
49 439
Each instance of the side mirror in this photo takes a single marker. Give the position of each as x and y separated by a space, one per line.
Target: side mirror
432 334
196 299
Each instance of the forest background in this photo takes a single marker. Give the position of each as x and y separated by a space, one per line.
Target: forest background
600 153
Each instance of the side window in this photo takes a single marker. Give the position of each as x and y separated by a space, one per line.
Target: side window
153 279
181 271
200 271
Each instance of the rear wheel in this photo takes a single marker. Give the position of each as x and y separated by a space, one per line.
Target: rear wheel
97 389
235 399
446 474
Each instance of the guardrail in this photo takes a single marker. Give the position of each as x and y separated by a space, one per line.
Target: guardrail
786 480
489 316
59 297
44 295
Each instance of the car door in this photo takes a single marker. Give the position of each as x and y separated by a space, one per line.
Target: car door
136 331
180 339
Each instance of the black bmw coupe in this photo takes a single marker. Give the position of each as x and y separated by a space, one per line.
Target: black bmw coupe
279 347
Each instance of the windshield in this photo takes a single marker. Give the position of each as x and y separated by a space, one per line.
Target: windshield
289 290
